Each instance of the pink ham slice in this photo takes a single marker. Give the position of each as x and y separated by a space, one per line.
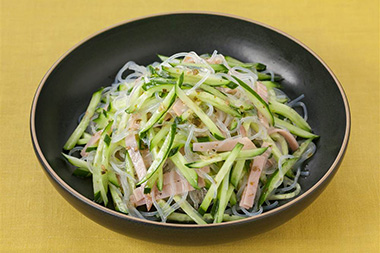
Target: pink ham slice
173 184
94 139
176 188
262 91
249 192
179 107
137 160
226 145
293 144
138 163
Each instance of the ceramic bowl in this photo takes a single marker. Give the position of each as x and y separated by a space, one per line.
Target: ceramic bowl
65 90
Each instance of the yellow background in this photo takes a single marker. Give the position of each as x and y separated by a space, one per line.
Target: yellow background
34 34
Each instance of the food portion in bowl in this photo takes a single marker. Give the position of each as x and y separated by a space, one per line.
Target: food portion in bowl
193 139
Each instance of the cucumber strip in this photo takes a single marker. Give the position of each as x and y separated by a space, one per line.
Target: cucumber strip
272 95
193 77
102 120
189 174
233 125
276 179
160 178
213 91
112 178
79 130
232 101
281 140
271 85
244 154
190 211
148 103
100 179
293 129
82 172
233 199
157 81
221 104
226 190
232 62
289 113
161 111
160 135
84 139
198 111
215 67
129 168
150 183
76 161
162 154
117 200
138 103
164 58
286 195
265 77
257 101
132 100
237 172
224 170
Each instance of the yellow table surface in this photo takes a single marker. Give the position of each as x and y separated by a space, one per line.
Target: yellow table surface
34 34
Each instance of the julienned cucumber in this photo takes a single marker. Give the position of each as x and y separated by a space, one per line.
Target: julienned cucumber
244 154
162 154
257 101
277 178
192 76
75 136
198 111
162 110
224 170
293 129
289 113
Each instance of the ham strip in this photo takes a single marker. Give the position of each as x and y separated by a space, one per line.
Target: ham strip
226 145
293 144
137 160
177 183
94 139
179 107
249 193
262 91
177 188
138 163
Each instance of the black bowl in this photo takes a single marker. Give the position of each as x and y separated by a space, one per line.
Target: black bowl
65 90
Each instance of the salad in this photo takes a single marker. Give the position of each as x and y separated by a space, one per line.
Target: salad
192 139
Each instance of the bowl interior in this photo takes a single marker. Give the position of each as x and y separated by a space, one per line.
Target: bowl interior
66 91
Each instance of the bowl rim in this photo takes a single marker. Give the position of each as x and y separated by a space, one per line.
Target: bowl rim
109 211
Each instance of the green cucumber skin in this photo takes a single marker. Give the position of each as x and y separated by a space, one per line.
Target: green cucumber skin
259 103
79 130
162 154
289 113
212 80
294 130
225 169
288 164
167 103
244 154
198 111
